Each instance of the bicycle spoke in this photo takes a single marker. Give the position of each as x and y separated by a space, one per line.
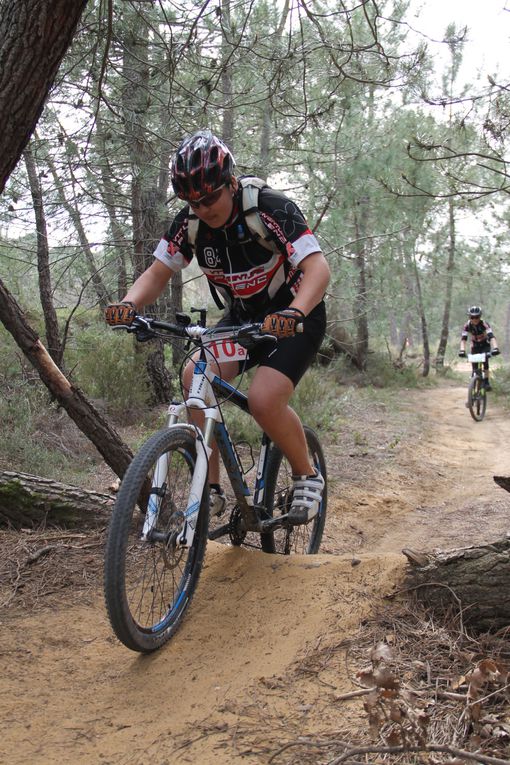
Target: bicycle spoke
149 582
304 539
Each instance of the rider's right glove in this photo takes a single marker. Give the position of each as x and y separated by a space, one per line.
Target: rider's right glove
283 323
462 354
120 314
495 352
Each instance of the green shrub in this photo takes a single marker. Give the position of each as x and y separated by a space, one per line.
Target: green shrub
381 372
34 443
109 370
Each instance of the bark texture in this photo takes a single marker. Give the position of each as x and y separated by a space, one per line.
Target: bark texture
34 36
28 500
475 581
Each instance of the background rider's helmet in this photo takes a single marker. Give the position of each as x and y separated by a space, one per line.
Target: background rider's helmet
475 312
202 164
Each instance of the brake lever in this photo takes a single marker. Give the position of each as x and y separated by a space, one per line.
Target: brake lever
251 339
141 328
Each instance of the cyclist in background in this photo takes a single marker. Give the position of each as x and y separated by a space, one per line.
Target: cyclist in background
282 285
482 340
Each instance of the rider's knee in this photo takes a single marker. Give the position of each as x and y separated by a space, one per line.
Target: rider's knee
263 402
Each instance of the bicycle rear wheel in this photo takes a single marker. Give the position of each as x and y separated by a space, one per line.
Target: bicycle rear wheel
148 585
305 539
477 399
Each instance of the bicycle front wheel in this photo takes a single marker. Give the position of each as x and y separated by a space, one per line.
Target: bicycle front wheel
477 399
148 584
304 539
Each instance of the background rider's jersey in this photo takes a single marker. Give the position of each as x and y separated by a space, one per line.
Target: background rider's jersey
481 333
249 278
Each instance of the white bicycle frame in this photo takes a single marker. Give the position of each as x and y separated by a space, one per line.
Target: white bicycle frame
201 397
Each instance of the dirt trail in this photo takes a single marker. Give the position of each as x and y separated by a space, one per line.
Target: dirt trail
228 686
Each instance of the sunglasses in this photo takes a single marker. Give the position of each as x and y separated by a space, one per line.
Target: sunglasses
208 201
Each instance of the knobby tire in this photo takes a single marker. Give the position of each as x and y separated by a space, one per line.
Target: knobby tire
477 399
148 586
304 539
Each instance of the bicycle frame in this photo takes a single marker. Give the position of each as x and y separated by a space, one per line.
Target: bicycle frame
204 391
476 397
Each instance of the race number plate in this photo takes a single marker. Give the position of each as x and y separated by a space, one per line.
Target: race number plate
227 350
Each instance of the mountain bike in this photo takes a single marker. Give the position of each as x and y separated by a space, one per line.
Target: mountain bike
477 395
159 526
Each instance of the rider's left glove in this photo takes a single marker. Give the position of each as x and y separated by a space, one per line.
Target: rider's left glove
118 314
283 323
495 352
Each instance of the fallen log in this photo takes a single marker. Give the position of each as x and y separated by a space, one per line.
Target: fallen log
503 481
29 500
475 581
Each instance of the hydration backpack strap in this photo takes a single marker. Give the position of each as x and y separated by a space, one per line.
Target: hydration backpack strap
193 224
251 186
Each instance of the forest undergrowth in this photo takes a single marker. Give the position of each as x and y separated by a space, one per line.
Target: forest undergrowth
426 690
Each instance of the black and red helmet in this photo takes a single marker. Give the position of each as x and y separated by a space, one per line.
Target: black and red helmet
202 164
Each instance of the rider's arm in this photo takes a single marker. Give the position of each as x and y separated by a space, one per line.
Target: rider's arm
149 286
298 243
464 337
315 279
490 336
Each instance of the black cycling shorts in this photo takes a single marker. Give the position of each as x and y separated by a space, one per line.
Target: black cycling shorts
290 355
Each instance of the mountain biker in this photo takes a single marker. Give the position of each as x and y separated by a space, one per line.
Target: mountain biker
282 286
482 340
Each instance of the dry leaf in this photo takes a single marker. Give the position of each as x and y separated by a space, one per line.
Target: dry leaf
366 678
381 652
386 679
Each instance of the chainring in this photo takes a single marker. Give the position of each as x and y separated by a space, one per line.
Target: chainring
235 531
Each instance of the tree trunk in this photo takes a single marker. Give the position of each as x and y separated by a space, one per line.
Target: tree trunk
445 327
423 320
265 134
107 441
226 74
473 581
147 198
43 262
339 341
34 37
28 500
361 302
110 195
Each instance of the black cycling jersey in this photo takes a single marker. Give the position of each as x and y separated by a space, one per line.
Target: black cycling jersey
481 334
251 279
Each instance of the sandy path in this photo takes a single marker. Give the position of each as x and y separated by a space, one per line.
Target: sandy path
71 693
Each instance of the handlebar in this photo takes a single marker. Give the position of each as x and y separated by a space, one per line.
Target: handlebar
146 328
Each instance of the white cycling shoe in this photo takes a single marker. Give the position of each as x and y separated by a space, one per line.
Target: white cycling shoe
306 498
217 501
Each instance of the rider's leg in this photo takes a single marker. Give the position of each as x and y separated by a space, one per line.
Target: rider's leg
268 400
486 382
227 371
